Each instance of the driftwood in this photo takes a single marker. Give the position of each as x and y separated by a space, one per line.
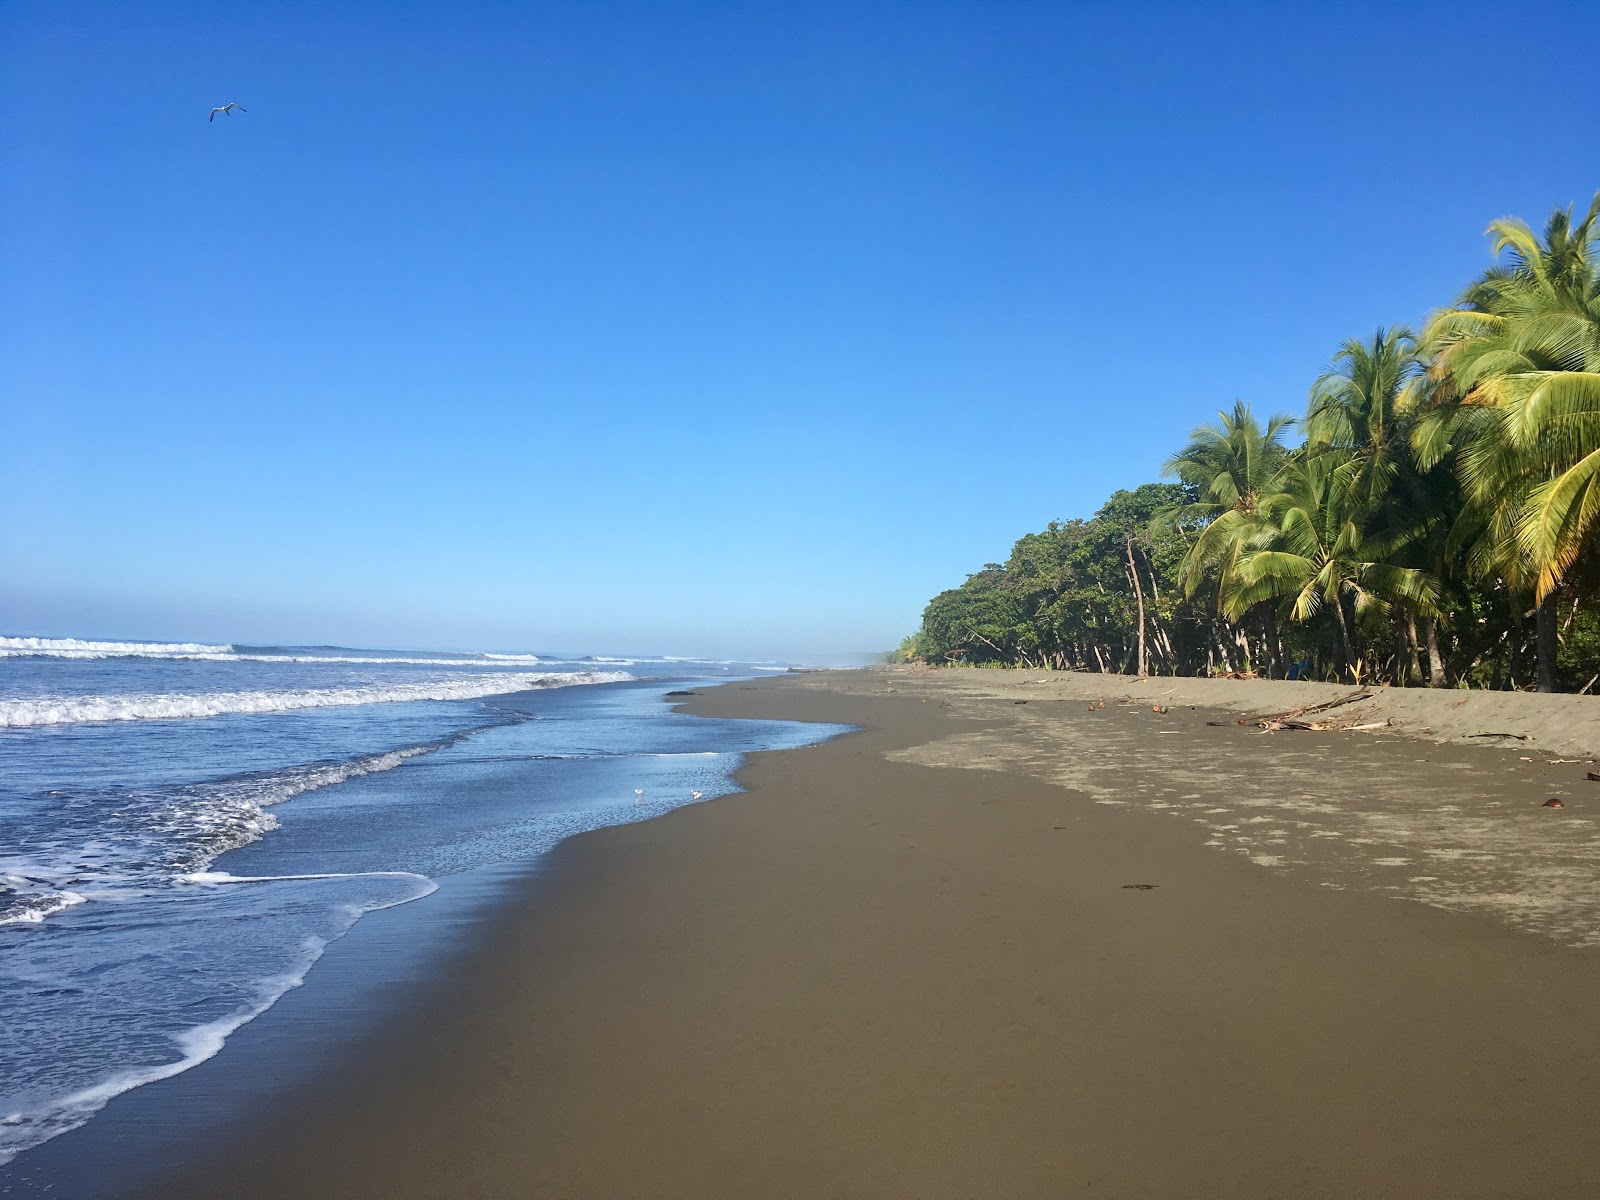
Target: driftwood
1290 718
1521 737
1291 713
1323 726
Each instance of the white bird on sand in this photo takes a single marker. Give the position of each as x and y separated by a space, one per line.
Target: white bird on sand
226 109
638 795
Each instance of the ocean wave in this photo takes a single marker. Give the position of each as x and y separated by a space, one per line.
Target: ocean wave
32 910
78 648
77 710
81 648
487 660
158 832
23 1130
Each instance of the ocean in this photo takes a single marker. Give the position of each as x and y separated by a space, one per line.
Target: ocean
187 828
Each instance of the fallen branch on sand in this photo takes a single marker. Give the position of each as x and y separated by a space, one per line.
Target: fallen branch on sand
1269 726
1521 737
1291 713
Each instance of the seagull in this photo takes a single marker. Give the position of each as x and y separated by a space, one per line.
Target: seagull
225 110
638 795
696 795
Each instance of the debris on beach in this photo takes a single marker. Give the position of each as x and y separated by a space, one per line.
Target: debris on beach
1290 718
1159 708
1141 887
1320 726
1552 803
1304 710
1521 737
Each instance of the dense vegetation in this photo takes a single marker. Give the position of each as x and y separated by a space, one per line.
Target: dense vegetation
1435 523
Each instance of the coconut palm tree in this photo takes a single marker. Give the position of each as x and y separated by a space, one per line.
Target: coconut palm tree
1359 409
1312 547
1514 389
1231 466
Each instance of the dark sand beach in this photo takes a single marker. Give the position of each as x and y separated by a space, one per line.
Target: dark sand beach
877 973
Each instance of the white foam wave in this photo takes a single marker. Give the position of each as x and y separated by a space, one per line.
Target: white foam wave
13 647
80 648
76 710
488 660
34 914
22 1131
220 877
218 817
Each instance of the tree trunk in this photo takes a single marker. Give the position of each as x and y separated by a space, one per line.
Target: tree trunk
1545 638
1346 653
1414 652
1268 642
1430 634
1229 643
1138 595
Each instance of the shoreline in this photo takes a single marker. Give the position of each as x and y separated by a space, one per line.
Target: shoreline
872 976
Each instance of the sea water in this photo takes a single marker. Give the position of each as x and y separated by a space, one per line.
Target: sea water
186 828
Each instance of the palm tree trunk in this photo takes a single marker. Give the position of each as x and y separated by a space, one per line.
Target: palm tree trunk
1414 674
1274 642
1399 647
1544 619
1346 653
1430 634
1408 655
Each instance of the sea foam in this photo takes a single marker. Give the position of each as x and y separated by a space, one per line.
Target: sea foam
75 710
80 648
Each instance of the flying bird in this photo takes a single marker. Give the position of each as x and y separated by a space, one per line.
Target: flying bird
225 110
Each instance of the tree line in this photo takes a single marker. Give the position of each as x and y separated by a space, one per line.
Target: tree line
1434 523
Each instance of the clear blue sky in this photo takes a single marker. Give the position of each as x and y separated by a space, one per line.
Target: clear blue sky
693 328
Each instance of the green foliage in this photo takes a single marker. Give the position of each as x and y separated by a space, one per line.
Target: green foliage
1442 510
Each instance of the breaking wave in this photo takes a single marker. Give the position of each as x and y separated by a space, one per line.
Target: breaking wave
79 648
76 710
141 837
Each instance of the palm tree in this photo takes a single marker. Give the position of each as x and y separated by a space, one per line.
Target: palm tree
1231 466
1514 388
1359 409
1313 548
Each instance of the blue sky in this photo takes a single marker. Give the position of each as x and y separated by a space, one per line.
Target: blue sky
692 328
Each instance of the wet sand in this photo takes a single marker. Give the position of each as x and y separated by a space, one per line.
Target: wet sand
872 976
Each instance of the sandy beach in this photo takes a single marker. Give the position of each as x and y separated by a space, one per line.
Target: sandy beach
1003 943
